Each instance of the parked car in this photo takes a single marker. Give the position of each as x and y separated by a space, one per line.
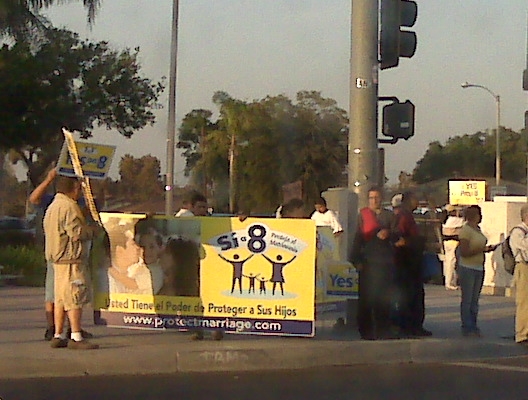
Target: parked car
16 232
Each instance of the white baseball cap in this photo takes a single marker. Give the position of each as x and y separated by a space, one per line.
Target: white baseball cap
396 200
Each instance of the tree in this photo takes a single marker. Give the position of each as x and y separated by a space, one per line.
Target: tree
140 177
69 83
232 120
20 19
274 142
194 130
323 148
473 156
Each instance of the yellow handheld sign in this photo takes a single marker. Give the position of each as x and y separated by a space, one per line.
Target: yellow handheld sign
95 160
466 193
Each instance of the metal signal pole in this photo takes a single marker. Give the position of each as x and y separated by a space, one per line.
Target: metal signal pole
362 139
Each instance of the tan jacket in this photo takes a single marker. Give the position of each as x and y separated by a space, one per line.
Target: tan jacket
66 231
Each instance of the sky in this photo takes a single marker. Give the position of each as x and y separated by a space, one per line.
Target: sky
255 48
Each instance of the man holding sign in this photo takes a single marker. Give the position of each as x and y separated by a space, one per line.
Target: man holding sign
66 236
41 199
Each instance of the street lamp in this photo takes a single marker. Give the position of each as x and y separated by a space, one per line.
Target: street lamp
497 133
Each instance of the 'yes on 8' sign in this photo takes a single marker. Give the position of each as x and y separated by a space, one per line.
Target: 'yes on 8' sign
95 162
95 159
254 239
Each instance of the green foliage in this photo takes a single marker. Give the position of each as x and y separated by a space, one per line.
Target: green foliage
68 82
275 142
473 156
28 261
20 19
140 177
192 136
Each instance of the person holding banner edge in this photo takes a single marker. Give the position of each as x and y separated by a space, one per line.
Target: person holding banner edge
41 199
66 236
198 208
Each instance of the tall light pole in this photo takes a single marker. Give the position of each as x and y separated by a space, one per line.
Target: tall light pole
171 123
497 133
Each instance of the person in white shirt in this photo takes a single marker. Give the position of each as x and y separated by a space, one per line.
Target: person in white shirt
195 206
450 229
185 211
322 216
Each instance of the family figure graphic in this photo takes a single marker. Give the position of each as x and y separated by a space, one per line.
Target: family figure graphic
277 275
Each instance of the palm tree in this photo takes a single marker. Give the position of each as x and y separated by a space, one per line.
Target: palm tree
20 19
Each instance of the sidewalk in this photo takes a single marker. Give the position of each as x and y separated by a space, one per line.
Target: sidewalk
24 353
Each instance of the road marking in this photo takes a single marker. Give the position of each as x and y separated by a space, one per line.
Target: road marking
497 367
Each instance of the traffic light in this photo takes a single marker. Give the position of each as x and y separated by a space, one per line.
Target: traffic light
398 120
395 43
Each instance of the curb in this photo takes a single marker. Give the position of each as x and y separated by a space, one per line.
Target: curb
249 355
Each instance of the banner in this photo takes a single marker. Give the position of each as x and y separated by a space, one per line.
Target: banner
255 276
336 280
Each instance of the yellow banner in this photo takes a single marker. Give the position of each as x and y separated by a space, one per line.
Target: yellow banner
259 268
255 276
335 279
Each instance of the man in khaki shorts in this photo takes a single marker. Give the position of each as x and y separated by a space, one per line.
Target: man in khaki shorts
67 235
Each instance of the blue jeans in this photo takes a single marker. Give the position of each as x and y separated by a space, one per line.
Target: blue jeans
471 281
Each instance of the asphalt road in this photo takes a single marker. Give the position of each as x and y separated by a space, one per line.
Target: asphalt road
495 380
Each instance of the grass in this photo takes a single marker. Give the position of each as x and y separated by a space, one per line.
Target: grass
27 261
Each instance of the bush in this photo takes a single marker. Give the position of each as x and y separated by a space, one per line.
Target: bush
27 261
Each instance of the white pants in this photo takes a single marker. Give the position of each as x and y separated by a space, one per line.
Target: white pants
450 274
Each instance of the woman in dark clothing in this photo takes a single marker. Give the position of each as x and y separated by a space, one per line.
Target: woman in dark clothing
409 279
372 255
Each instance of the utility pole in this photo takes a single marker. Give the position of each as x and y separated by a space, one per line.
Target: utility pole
362 138
525 87
171 124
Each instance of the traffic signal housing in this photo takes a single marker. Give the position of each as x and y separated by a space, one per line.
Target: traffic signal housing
398 120
394 42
